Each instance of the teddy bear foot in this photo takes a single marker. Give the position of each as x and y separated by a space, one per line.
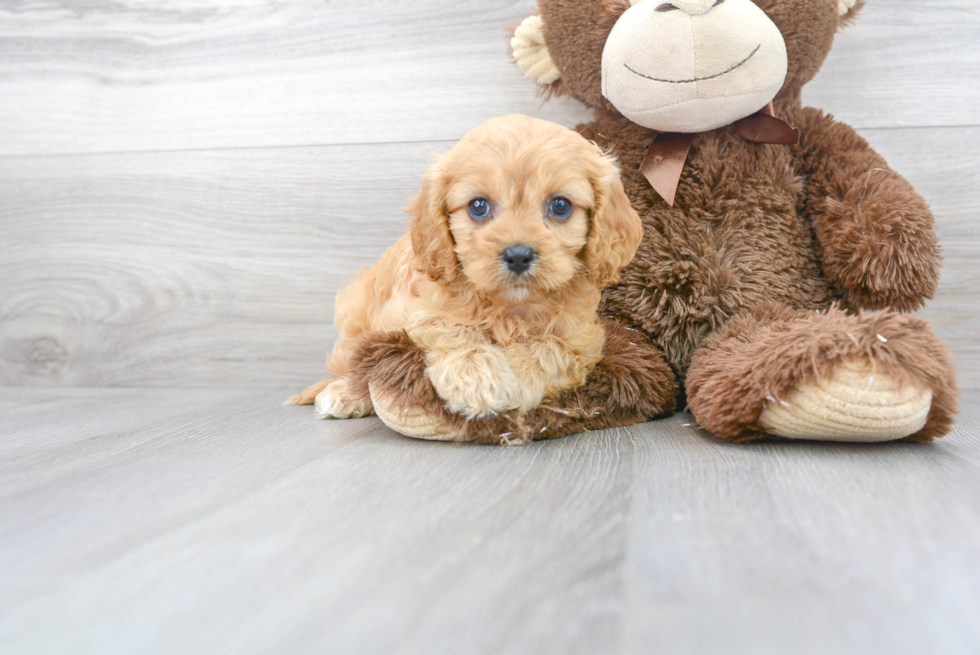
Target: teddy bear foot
854 404
415 421
827 375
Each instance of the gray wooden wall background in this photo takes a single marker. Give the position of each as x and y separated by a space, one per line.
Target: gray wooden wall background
185 184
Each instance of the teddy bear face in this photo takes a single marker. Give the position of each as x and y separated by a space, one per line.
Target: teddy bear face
588 45
692 65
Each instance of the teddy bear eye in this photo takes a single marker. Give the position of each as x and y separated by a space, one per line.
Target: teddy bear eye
479 209
561 208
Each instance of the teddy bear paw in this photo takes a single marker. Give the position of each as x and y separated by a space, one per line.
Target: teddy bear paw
854 404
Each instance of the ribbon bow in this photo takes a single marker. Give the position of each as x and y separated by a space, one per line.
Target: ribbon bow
668 153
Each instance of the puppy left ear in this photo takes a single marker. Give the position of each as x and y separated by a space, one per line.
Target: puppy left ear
616 230
848 11
432 242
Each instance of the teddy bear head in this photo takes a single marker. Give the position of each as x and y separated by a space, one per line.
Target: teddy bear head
679 65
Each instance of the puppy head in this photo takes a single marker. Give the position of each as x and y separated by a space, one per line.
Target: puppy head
523 205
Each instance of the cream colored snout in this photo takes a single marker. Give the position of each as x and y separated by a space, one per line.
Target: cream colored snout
692 65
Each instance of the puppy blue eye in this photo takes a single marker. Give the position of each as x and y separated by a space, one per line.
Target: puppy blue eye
479 209
561 208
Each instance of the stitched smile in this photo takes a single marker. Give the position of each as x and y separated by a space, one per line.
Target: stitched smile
696 79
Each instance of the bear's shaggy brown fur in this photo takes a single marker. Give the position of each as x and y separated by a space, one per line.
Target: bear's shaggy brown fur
765 236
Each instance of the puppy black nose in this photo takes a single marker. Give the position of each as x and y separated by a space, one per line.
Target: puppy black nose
518 258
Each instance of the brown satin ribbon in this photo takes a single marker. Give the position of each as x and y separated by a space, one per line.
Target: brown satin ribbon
667 155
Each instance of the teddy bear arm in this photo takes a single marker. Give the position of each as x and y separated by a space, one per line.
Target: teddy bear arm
874 232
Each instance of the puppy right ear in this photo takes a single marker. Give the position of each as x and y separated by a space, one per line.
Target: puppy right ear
616 229
531 52
432 242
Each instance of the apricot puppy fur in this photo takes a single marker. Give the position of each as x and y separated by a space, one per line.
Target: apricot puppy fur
511 238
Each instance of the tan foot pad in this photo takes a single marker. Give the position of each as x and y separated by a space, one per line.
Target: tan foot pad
410 421
853 405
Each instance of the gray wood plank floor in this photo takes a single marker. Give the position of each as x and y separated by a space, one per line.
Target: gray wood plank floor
204 521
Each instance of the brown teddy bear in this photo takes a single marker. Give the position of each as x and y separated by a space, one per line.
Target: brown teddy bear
768 227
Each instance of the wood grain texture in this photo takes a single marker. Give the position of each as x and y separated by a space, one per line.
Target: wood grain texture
299 535
193 74
127 76
220 267
904 63
189 268
801 548
163 521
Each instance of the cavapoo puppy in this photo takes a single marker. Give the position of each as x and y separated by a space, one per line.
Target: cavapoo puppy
511 238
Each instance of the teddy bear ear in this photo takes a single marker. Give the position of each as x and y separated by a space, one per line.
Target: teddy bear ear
848 11
531 52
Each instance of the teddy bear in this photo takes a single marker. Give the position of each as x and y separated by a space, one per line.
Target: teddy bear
780 256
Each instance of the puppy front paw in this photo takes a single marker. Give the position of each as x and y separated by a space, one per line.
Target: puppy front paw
337 401
477 383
